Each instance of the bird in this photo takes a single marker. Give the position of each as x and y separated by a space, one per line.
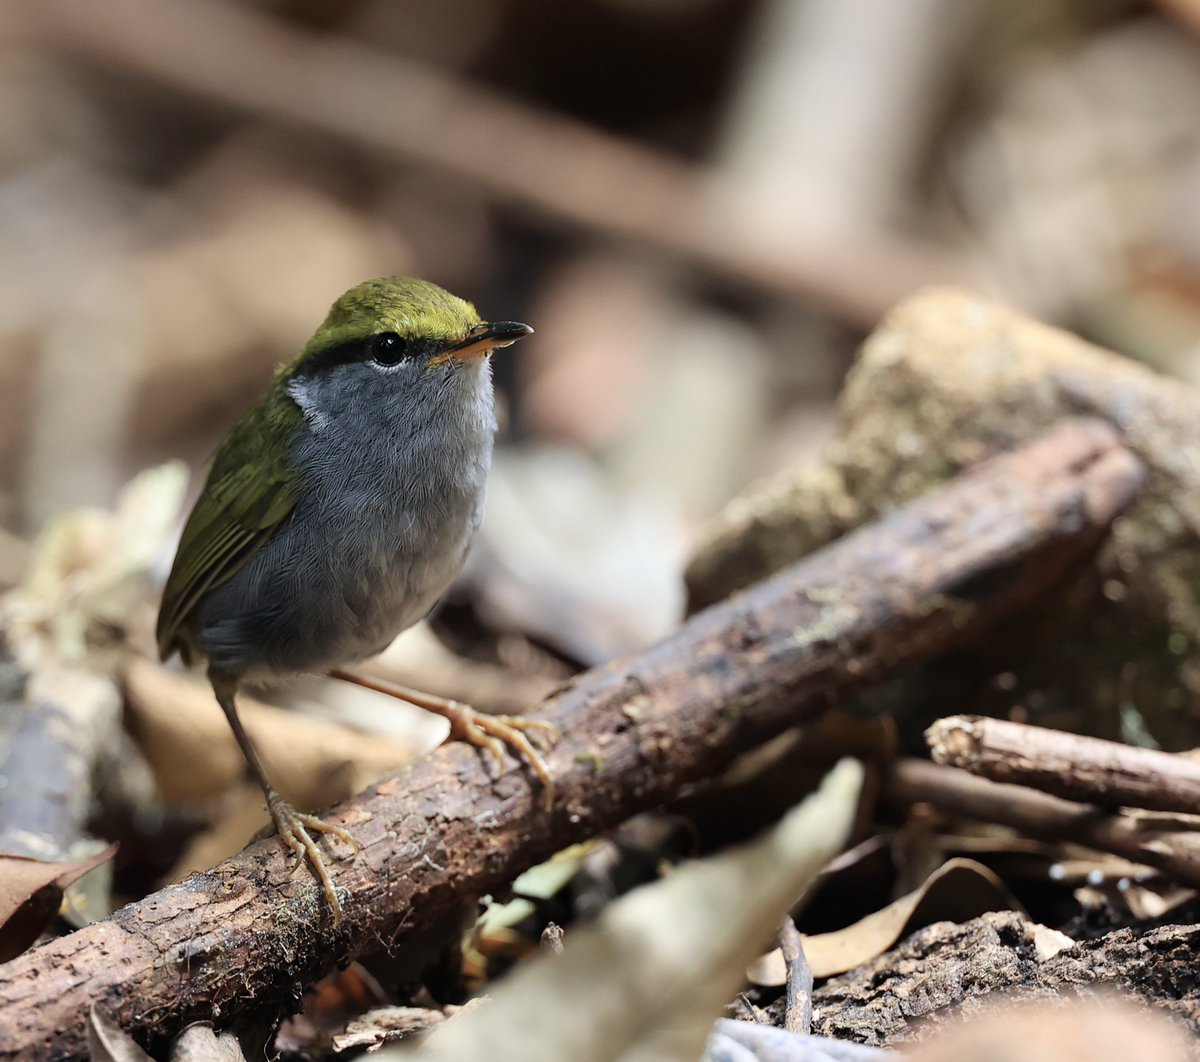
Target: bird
338 510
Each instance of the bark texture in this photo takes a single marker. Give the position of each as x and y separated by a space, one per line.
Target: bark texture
947 970
250 934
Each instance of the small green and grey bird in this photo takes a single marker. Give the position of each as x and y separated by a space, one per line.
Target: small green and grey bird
338 510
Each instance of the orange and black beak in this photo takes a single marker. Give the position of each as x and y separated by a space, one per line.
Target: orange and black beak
482 340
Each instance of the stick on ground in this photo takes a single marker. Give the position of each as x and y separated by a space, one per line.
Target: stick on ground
797 1006
250 934
1171 845
1070 766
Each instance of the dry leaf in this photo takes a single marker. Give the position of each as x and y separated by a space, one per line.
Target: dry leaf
647 979
386 1025
108 1042
91 568
328 1007
200 1043
31 892
957 891
1049 942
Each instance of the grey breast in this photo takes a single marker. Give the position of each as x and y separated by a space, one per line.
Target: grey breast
379 532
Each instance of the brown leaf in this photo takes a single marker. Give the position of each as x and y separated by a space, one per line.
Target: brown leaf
31 891
183 733
957 891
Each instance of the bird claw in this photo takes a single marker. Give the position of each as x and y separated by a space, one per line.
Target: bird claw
293 828
494 732
488 732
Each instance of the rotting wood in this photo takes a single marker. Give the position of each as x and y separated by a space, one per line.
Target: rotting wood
945 971
251 933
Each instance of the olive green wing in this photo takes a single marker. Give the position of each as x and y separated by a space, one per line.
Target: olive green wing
250 491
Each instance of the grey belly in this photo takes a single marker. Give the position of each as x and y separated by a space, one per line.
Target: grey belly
321 593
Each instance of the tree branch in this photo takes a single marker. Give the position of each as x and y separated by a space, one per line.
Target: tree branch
1170 844
251 933
1070 766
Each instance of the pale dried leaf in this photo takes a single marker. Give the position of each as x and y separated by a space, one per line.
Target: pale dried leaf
91 567
187 740
386 1025
648 979
1049 942
957 891
108 1042
200 1043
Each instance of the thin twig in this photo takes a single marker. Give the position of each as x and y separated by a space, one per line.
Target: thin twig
747 1010
1071 766
797 1007
1171 843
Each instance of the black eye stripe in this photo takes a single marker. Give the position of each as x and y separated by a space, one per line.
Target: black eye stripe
365 350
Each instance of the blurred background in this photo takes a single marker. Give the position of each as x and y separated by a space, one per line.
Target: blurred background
701 205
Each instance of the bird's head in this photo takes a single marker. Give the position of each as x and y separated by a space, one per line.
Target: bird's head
402 328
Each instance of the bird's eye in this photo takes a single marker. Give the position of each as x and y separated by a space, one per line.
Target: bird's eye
387 348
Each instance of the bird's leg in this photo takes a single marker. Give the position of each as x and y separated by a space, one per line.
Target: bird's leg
293 826
485 731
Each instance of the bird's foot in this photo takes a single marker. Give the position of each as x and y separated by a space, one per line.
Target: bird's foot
293 827
490 732
493 732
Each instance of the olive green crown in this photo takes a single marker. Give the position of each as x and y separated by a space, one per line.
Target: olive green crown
412 308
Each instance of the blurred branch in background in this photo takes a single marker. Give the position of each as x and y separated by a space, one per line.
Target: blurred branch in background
1186 11
806 164
860 84
559 167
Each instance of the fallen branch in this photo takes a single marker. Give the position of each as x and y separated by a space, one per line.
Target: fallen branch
251 933
51 738
1070 766
1170 843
